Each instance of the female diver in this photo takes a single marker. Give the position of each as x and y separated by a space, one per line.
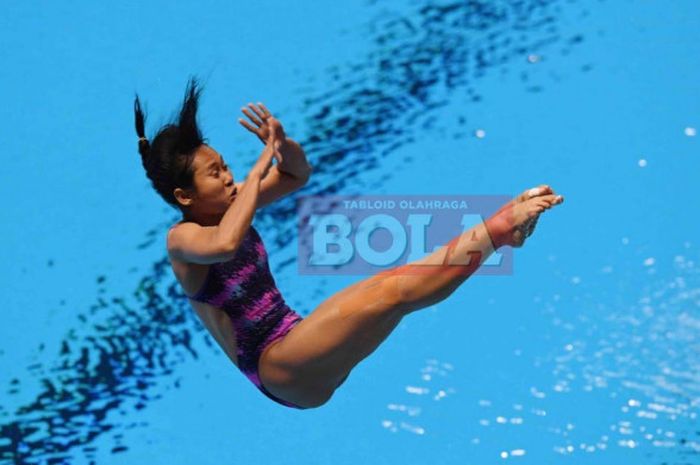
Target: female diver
221 263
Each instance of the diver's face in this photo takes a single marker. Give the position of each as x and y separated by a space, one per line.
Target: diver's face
213 181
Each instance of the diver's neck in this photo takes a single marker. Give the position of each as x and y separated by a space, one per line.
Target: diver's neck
203 220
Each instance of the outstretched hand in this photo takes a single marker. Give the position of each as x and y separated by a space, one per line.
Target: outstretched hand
264 125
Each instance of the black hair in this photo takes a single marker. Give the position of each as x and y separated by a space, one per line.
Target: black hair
168 158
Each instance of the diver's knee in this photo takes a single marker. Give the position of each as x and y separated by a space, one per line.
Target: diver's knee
318 398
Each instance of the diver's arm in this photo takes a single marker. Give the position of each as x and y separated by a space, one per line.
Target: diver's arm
285 177
294 161
235 223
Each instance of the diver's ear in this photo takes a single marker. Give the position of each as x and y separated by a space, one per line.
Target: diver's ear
184 197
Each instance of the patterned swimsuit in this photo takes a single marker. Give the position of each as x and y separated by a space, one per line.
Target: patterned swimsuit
245 289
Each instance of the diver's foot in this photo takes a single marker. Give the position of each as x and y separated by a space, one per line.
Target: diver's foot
542 189
513 223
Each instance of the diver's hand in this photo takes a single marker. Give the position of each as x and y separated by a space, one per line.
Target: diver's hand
264 125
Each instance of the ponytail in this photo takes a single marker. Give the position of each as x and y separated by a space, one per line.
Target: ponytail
140 117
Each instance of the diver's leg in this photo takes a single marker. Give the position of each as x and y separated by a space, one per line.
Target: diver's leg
308 364
431 279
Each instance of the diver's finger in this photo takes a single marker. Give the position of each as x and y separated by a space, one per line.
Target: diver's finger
248 126
264 109
251 117
261 114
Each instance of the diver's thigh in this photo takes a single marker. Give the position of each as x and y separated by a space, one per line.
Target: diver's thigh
341 331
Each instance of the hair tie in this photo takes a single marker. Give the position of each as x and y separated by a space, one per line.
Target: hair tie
143 138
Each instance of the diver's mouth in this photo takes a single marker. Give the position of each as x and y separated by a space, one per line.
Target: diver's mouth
233 192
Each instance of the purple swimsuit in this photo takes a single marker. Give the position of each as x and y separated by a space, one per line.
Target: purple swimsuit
245 289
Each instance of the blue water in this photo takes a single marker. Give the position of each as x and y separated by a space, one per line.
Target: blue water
588 353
